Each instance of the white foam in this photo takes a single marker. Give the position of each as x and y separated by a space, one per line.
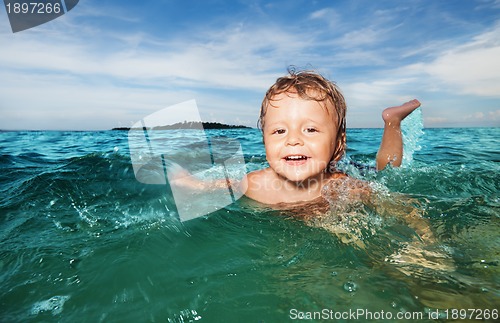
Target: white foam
54 305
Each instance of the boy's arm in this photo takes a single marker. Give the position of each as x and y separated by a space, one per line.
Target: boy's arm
343 191
181 178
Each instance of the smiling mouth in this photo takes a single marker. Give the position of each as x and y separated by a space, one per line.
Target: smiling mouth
295 159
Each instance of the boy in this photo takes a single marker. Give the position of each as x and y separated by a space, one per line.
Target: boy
302 119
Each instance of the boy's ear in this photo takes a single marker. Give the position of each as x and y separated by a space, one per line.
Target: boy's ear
339 149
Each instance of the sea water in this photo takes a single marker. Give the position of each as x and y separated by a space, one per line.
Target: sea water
81 240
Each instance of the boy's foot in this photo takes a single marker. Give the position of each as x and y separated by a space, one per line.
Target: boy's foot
394 115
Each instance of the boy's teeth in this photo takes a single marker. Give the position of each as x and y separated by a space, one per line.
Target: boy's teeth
295 157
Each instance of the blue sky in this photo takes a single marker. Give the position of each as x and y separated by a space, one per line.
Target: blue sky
110 63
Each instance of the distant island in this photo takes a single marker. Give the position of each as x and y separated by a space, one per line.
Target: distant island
189 125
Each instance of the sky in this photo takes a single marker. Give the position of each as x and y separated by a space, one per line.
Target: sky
109 63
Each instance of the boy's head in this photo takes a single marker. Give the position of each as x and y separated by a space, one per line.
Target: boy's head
309 85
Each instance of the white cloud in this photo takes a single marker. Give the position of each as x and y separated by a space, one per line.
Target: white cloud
494 115
67 102
472 68
57 81
236 57
322 13
458 77
361 37
477 116
483 116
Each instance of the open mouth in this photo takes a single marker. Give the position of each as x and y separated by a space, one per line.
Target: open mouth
295 159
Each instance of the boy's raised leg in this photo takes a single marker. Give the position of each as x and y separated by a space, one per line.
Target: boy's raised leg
391 147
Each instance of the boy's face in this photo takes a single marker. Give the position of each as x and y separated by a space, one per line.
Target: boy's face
299 136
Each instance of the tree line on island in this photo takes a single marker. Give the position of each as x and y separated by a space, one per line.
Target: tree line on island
189 125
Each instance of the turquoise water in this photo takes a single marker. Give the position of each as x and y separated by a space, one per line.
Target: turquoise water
81 240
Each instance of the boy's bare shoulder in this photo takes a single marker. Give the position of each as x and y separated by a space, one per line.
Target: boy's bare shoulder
256 179
256 185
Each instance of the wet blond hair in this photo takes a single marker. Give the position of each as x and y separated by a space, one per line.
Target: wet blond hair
310 85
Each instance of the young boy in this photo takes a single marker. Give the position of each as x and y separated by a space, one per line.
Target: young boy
302 119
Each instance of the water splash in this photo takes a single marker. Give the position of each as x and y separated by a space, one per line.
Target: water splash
412 128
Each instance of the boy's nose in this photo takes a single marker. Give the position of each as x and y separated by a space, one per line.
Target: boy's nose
294 139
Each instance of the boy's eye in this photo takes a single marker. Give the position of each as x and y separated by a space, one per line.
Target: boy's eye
311 130
278 131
